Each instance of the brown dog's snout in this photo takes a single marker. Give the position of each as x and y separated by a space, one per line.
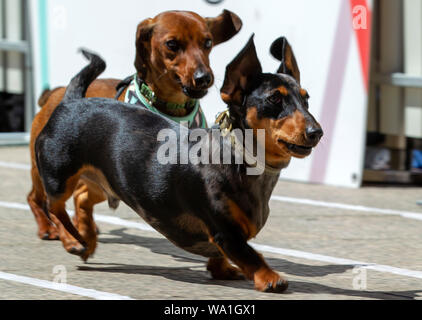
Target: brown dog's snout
199 83
313 134
202 78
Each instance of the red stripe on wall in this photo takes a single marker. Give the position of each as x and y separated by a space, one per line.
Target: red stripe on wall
354 15
361 15
332 92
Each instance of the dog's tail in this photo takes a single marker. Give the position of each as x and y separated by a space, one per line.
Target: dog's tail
79 84
45 95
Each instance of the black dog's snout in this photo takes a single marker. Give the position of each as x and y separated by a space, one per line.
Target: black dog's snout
202 78
314 134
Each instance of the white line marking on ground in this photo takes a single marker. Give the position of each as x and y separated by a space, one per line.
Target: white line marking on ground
91 293
97 217
14 205
14 165
260 247
309 202
124 223
343 206
340 261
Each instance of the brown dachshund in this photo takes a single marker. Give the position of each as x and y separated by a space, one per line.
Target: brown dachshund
172 59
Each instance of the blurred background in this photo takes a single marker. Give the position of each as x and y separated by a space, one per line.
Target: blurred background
360 60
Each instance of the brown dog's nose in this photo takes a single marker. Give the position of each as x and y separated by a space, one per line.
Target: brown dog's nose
202 79
314 134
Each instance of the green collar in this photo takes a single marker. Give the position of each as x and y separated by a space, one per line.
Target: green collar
146 95
146 91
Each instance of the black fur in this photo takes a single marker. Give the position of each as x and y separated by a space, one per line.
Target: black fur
80 83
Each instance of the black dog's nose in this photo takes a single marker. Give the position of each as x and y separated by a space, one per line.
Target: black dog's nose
202 79
314 134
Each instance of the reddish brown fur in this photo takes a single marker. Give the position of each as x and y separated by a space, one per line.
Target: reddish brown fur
86 195
191 31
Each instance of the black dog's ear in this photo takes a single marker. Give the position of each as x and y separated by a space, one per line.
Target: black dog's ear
282 51
143 37
224 27
241 74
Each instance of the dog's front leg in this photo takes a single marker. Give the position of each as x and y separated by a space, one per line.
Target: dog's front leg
253 265
221 269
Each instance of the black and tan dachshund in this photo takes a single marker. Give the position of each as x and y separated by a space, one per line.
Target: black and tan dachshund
207 209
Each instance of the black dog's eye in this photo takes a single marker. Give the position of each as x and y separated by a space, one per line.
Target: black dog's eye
173 45
306 98
304 94
208 44
275 98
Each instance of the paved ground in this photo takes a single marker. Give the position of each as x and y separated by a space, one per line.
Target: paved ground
140 264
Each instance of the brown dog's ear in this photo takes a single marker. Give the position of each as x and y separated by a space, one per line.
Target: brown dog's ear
224 27
282 51
241 74
143 37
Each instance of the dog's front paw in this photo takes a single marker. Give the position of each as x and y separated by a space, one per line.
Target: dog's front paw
74 247
266 280
50 234
91 245
89 231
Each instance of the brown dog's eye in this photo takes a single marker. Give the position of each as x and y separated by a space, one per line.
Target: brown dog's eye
208 44
173 45
275 98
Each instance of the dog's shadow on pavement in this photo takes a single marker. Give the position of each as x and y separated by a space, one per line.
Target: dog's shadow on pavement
191 274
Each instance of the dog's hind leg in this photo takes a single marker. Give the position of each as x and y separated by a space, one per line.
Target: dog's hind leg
72 240
86 196
37 202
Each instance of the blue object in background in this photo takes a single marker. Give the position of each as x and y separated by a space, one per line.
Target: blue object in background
417 159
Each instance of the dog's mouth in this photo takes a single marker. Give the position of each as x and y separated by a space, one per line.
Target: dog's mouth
191 92
194 93
296 149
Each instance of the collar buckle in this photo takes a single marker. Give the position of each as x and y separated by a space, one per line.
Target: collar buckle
224 123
